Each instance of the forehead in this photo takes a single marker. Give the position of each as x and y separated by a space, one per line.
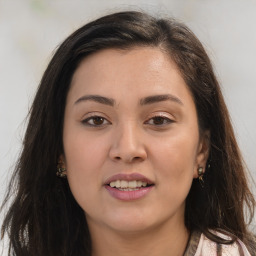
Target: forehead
112 61
142 70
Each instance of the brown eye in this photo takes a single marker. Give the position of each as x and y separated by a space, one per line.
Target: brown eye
95 121
98 120
159 120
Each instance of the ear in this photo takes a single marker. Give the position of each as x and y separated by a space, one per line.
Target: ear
203 152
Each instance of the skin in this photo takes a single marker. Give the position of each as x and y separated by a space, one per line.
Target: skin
159 140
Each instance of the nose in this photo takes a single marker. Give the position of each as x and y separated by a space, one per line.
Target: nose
127 145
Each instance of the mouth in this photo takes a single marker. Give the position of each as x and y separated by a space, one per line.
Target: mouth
133 185
128 187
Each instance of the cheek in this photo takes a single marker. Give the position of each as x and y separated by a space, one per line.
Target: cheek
177 151
175 158
83 151
84 157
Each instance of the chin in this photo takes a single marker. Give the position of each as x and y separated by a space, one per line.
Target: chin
131 223
131 227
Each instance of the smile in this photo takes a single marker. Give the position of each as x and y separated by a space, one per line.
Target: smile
125 185
128 187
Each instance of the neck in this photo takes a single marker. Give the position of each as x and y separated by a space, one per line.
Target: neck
161 241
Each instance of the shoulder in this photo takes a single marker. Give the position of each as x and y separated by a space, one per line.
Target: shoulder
210 248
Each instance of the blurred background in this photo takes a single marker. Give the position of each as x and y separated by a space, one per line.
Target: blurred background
30 30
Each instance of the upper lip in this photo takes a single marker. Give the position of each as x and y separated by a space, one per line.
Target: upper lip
128 177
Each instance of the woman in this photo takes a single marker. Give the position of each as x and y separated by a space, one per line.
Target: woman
131 115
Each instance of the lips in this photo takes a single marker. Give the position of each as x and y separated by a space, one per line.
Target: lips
128 177
128 186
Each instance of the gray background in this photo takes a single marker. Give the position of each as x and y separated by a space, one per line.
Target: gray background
31 29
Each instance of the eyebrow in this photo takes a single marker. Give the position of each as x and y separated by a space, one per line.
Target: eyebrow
159 98
97 98
145 101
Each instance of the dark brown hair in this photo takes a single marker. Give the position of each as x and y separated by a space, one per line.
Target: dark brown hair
44 218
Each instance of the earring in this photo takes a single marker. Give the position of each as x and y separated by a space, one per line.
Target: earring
61 171
200 176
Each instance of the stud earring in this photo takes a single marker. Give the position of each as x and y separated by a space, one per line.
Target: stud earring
200 171
61 171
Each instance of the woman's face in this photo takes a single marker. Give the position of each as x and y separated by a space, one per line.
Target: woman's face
131 140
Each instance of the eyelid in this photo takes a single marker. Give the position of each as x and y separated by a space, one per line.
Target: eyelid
161 114
165 116
92 115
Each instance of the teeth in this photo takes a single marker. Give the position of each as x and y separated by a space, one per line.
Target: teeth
132 184
118 183
127 185
128 189
124 184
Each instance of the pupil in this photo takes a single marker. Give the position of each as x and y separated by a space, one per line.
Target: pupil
98 120
158 120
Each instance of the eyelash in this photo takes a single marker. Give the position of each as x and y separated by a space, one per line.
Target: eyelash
93 118
164 119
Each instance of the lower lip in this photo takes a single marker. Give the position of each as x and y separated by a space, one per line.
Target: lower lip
128 195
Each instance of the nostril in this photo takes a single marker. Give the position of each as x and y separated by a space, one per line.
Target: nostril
129 159
137 158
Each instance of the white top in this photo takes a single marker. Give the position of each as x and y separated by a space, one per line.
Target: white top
207 247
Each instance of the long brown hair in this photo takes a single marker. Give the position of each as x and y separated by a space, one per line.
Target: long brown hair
44 218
